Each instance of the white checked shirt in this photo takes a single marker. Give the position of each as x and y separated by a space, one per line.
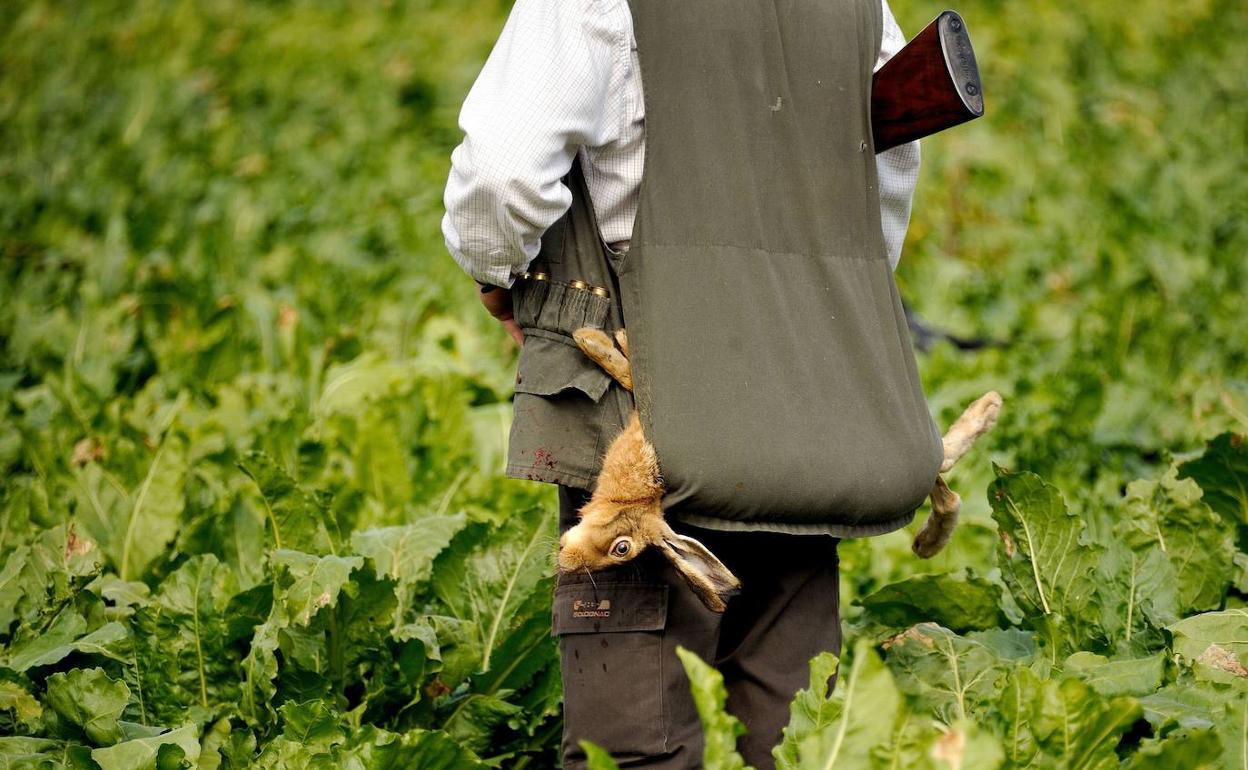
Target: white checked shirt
563 78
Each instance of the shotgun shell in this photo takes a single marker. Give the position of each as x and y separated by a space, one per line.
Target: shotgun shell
580 285
540 276
601 291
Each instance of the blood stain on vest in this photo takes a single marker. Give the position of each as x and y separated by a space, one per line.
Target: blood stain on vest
543 457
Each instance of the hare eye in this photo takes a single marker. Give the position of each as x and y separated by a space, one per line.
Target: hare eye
621 547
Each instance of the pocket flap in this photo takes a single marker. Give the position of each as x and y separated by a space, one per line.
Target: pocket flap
549 366
585 608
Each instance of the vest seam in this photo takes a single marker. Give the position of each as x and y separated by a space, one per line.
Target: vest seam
773 252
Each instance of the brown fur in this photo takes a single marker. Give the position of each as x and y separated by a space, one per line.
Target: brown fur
626 505
938 529
597 345
975 421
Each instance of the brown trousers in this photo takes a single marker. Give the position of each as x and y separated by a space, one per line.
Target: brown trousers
618 629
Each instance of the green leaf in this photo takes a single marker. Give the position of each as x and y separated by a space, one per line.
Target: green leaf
720 730
381 463
1078 729
259 671
1215 644
405 554
424 749
43 576
1136 598
133 531
1046 558
486 576
475 719
184 662
1195 705
25 707
171 756
955 677
811 711
910 744
369 748
142 753
1012 717
1007 643
350 387
1222 472
964 745
295 519
846 728
1190 749
1235 730
306 584
1135 676
12 589
41 753
375 749
64 636
526 650
958 601
313 724
90 699
1169 515
597 757
303 585
217 736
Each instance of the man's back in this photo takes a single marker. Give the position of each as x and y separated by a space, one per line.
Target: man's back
771 365
757 291
564 79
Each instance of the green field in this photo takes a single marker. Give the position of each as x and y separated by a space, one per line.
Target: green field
252 420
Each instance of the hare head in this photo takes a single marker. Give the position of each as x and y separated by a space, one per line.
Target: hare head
624 517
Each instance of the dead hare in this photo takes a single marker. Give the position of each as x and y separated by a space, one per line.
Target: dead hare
624 515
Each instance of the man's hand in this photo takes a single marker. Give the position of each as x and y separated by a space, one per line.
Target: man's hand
497 301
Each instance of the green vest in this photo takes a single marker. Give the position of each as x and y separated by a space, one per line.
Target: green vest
771 360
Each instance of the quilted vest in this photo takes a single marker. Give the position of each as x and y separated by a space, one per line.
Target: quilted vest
772 366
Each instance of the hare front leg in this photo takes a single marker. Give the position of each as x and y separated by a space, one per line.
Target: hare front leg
598 346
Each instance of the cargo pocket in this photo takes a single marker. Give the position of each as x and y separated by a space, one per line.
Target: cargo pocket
558 423
611 657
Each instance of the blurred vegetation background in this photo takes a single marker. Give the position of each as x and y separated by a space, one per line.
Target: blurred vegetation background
219 236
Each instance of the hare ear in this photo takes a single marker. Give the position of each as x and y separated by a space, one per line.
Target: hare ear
706 575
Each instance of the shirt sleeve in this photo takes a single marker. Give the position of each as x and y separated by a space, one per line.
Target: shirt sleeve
897 168
545 90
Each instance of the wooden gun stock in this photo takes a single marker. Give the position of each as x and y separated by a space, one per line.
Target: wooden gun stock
929 85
